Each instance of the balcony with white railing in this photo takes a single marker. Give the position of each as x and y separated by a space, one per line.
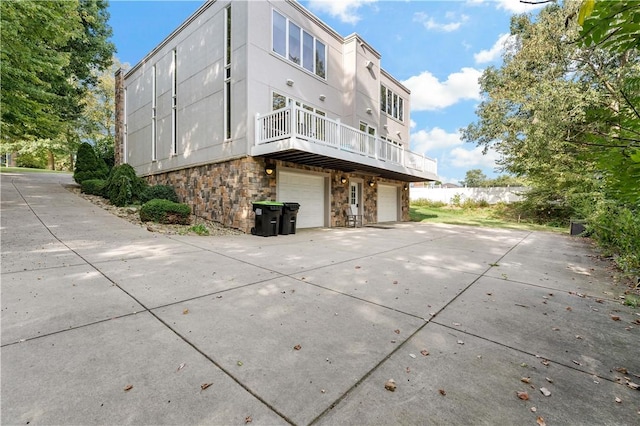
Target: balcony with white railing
299 135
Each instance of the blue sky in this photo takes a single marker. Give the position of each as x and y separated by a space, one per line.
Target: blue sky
437 48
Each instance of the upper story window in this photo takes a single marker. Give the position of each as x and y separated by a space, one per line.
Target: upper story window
391 104
298 46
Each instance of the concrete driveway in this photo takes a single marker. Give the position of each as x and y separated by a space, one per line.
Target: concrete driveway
104 322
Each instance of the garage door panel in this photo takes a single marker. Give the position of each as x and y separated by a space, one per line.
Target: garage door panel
387 203
308 191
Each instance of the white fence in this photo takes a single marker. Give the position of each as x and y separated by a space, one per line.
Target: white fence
491 195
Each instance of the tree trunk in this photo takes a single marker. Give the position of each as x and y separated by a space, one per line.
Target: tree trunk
51 161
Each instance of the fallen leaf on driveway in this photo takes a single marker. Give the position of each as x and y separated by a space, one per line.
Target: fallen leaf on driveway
185 312
633 386
615 317
569 308
523 395
357 267
576 362
545 391
128 388
545 362
621 370
534 409
297 347
205 385
526 380
181 366
442 392
618 400
412 355
540 421
239 363
396 331
248 419
549 380
456 324
424 352
460 342
390 385
395 282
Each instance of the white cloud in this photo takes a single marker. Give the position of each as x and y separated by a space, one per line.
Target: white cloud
431 24
428 93
412 124
424 141
495 52
461 157
345 10
515 6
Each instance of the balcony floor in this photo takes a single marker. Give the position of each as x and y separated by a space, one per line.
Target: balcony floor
300 151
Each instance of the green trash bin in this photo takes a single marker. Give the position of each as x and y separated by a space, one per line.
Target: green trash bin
289 218
267 222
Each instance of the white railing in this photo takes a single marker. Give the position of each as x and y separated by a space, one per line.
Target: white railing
300 123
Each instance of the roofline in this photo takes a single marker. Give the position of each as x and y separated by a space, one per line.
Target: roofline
171 36
392 78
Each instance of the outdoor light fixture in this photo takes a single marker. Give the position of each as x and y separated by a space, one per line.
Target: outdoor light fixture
386 127
323 97
269 169
369 65
343 179
369 111
371 183
289 82
405 187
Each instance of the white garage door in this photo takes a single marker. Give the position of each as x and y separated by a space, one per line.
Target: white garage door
387 203
308 191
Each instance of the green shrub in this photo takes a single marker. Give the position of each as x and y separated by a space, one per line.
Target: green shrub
199 229
89 165
93 186
123 186
31 161
162 192
424 202
165 211
617 230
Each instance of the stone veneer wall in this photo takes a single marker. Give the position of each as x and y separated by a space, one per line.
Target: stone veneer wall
223 192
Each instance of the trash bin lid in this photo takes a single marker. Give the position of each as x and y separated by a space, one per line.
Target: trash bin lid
292 206
268 203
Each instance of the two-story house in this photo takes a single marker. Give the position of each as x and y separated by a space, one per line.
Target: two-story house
261 100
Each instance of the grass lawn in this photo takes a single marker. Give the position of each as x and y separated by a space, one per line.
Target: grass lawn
481 216
4 169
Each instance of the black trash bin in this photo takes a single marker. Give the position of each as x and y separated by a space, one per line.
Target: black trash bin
289 218
267 221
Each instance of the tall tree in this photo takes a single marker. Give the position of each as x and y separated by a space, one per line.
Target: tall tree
538 107
50 51
474 178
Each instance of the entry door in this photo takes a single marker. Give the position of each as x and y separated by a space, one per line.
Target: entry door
354 197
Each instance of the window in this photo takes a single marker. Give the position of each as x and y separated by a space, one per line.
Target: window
290 41
174 103
227 74
391 103
307 51
320 59
154 147
279 34
125 136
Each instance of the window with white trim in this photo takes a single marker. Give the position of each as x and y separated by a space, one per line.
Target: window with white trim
227 74
290 41
154 107
391 103
174 102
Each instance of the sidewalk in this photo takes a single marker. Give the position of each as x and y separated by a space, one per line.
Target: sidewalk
305 328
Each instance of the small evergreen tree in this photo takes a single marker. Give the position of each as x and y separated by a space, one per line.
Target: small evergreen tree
89 165
123 185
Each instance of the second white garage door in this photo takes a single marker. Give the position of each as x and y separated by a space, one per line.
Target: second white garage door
306 189
387 203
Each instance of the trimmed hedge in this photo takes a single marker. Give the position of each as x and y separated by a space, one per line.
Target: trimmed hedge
93 186
161 192
89 165
124 186
165 211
